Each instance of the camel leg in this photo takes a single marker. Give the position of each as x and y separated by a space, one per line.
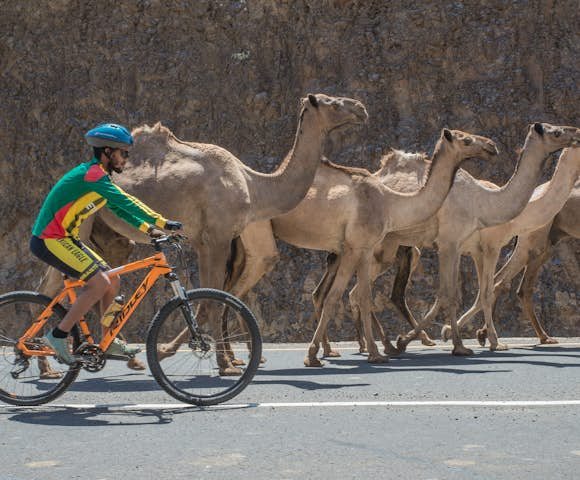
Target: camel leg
449 259
447 296
362 298
383 334
212 274
344 273
526 290
478 260
318 296
260 254
403 340
362 344
489 262
517 261
407 261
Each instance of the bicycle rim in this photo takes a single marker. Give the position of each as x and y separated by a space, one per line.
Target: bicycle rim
30 380
212 369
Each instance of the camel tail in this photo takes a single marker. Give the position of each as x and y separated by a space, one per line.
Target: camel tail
234 264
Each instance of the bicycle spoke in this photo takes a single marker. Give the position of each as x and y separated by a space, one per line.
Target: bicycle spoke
214 366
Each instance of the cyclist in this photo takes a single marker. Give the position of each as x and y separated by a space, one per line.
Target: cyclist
55 236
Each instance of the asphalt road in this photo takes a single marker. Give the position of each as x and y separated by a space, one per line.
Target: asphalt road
424 415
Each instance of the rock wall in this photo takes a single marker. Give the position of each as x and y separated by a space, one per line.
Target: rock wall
231 73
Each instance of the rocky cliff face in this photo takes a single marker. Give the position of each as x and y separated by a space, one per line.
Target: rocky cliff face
231 73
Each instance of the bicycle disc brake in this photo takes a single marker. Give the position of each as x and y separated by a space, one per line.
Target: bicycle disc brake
92 358
201 345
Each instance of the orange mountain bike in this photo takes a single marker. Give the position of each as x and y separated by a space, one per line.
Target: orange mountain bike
216 362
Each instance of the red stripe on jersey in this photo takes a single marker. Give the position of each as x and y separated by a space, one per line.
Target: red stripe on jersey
55 229
94 173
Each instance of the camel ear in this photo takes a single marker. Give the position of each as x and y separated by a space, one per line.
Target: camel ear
313 100
539 128
448 135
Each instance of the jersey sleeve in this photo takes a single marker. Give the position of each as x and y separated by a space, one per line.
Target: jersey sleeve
127 207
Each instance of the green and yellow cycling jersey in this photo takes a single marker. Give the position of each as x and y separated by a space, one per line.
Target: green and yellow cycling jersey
82 192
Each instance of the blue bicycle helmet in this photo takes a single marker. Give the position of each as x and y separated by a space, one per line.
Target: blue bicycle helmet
109 135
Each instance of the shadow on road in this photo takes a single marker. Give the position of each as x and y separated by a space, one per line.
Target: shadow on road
103 416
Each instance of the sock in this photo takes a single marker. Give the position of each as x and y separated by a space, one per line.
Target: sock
58 333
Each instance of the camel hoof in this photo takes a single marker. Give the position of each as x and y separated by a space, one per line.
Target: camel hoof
548 341
390 349
331 354
401 344
230 372
362 350
481 335
165 352
312 362
263 360
462 351
378 358
50 375
446 333
500 347
237 362
135 364
426 340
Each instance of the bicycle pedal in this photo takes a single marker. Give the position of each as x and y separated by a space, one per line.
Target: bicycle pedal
119 357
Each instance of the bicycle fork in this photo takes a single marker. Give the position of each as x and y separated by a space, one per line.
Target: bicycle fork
198 340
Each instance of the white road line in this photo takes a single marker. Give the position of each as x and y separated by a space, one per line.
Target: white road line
175 406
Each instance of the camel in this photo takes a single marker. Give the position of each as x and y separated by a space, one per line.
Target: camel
215 194
485 245
473 205
346 212
532 250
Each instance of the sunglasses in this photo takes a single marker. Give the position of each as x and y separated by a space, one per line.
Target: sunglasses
124 153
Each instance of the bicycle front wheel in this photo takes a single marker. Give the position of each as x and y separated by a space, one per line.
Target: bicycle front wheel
24 379
211 367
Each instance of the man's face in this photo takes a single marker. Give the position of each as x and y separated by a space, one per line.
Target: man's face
118 160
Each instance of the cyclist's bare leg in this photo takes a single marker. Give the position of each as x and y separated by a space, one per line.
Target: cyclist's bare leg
96 288
49 285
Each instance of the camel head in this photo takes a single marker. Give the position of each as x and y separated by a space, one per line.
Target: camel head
554 137
333 112
467 145
150 144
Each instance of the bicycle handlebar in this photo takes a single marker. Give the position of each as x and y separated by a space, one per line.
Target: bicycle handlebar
169 239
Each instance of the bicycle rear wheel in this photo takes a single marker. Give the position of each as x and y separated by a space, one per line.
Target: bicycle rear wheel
30 380
211 369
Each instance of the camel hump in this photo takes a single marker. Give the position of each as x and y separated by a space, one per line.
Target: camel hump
348 170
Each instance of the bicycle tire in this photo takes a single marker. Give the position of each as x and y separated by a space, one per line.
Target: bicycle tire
191 375
17 311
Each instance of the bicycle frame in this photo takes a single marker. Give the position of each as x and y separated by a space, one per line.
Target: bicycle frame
159 266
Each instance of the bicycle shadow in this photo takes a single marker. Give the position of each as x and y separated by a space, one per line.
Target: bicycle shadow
99 416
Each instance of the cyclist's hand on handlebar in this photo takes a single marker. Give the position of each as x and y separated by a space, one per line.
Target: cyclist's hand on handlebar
173 225
155 233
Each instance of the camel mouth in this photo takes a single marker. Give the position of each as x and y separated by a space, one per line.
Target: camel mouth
362 117
491 151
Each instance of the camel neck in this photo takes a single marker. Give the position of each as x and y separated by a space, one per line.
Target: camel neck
412 209
279 192
549 198
504 204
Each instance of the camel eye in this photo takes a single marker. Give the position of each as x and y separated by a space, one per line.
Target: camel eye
557 133
467 141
